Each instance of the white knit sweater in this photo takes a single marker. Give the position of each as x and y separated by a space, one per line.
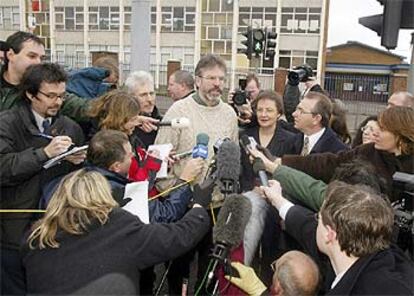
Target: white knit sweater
217 122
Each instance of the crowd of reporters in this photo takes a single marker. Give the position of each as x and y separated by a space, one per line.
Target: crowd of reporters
86 243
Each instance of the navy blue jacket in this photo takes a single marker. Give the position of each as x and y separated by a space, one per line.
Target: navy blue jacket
387 272
166 210
328 142
88 82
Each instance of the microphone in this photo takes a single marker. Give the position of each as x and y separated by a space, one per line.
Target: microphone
201 147
228 167
176 123
247 142
260 170
229 230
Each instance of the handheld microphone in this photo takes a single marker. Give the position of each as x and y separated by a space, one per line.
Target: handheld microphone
260 170
176 123
229 229
201 147
228 167
247 143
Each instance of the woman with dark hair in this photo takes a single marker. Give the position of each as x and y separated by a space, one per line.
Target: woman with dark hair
392 151
86 245
268 133
367 131
337 122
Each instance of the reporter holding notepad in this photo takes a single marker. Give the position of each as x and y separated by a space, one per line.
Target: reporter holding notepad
22 156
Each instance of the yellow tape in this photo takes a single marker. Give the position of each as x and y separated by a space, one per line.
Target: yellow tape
21 211
171 189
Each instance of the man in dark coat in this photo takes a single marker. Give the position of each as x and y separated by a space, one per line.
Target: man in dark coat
31 134
312 119
354 229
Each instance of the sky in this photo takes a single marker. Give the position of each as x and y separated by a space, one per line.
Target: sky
344 26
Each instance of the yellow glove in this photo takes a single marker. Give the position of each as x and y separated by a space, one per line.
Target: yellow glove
248 280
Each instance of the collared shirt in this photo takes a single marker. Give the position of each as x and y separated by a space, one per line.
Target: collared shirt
338 278
39 120
313 139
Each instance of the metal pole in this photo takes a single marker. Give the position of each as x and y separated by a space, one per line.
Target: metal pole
234 43
158 45
140 35
197 33
322 41
23 17
410 82
121 50
52 34
86 32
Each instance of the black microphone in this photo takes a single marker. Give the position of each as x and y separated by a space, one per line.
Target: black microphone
260 170
228 167
229 230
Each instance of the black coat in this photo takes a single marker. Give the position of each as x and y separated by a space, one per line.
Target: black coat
328 142
386 272
109 258
21 167
148 139
280 144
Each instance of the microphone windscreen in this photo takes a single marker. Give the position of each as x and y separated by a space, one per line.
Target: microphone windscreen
202 139
245 142
232 220
258 165
182 122
228 161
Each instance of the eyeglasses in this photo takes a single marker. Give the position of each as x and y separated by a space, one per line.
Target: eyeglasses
301 111
53 96
221 79
368 129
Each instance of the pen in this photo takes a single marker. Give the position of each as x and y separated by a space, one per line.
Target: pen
45 136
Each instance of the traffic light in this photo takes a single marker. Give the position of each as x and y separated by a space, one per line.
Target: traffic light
397 14
258 40
270 44
248 43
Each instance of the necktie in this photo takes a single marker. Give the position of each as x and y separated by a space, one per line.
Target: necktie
305 149
46 126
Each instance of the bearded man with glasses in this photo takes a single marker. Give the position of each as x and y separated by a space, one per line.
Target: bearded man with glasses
30 134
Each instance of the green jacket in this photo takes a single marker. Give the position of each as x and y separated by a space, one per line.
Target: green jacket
301 186
74 107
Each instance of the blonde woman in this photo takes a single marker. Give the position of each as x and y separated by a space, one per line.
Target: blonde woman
86 244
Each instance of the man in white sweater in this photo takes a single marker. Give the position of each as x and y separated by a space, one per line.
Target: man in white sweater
207 114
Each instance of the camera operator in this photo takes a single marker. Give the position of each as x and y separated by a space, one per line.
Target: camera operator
292 94
243 98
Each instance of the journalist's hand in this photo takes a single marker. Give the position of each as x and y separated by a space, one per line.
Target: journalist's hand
192 169
248 280
57 146
274 193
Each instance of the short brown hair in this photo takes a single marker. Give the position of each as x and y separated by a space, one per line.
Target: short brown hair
210 61
108 63
106 148
253 76
323 107
363 221
399 121
114 109
273 96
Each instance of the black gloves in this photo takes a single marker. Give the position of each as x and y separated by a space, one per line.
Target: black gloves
203 193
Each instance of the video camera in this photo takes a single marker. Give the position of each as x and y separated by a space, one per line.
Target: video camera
300 74
403 193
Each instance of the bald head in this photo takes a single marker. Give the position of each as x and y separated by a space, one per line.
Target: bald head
401 98
296 274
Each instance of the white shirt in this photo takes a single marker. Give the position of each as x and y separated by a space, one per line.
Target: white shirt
284 209
313 139
338 278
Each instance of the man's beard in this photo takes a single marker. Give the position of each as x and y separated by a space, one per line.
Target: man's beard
213 98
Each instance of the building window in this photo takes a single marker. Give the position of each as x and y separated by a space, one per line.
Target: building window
9 18
106 18
174 19
69 18
127 18
300 20
292 58
257 17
